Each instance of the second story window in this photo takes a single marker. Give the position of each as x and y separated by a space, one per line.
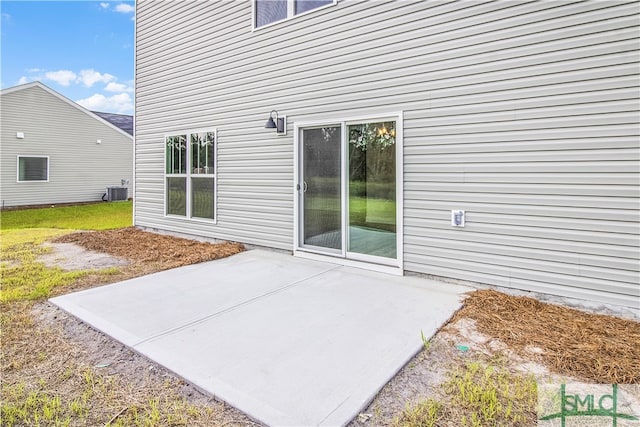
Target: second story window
269 11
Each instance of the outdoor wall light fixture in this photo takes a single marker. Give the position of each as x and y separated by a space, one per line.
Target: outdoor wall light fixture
279 124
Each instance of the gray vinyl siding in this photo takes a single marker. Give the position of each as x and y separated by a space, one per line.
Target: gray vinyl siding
524 114
79 169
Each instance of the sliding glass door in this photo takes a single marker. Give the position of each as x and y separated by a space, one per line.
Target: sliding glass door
347 190
321 188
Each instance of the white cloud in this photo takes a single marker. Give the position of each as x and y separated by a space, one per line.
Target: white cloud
104 5
62 77
125 8
115 96
87 77
118 87
120 103
33 75
91 76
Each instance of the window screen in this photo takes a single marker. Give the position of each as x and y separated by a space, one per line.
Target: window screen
33 169
268 11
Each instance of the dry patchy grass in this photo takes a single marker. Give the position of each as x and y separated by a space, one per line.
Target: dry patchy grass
485 386
48 379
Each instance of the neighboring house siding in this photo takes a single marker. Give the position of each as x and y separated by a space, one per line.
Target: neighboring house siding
79 168
523 114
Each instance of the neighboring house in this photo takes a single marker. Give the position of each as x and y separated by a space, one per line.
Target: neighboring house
123 121
52 150
488 142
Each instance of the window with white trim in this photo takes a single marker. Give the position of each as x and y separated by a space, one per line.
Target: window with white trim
269 11
190 174
33 168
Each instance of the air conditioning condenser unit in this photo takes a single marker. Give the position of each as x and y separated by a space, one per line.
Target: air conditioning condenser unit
115 194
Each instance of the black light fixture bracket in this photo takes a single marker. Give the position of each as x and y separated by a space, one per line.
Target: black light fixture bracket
279 124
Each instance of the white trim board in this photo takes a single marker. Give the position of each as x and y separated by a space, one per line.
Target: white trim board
398 263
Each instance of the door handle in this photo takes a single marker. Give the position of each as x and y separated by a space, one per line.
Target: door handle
304 186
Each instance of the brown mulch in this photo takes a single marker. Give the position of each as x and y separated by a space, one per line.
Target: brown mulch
592 347
145 247
599 348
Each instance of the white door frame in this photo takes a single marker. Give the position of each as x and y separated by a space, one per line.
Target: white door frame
300 190
350 259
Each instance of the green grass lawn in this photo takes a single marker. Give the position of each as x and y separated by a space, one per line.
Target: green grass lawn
23 231
23 276
48 380
98 216
363 212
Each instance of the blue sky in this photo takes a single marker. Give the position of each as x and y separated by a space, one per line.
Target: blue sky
81 49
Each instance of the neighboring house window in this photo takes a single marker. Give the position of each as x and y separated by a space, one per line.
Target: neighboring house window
191 174
269 11
33 168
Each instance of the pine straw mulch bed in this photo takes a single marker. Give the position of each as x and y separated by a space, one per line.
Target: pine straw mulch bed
162 251
598 348
593 347
572 342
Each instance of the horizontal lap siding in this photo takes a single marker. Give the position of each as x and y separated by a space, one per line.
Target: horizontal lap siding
546 166
253 177
525 114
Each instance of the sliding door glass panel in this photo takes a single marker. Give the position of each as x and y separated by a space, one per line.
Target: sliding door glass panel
321 187
372 189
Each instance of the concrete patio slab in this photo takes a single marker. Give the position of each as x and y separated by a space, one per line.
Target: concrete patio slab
288 341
